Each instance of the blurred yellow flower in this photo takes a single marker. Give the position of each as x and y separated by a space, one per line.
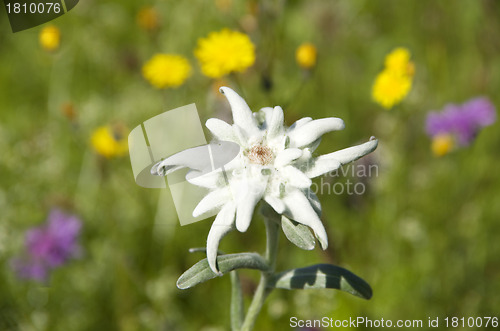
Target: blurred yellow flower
148 18
50 38
110 141
442 144
224 52
166 70
390 88
394 83
306 55
399 61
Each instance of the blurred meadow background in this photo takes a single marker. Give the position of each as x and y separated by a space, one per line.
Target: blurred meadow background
424 234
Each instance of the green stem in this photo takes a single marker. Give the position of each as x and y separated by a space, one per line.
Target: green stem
263 291
236 301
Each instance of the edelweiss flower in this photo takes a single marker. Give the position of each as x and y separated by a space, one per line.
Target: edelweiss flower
274 164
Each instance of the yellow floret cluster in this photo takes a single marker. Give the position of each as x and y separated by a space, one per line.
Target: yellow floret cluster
50 38
306 55
166 70
442 144
225 52
394 83
110 141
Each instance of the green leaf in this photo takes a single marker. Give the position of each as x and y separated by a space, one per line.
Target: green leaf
322 276
298 234
201 272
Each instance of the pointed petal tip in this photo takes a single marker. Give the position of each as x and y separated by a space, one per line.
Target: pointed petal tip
242 226
341 123
313 130
275 204
320 233
323 243
196 213
199 210
158 170
242 114
244 213
373 143
208 123
221 226
213 266
154 170
162 168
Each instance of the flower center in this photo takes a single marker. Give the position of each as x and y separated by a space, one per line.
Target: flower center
260 154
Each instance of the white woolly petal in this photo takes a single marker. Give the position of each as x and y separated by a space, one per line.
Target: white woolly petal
350 154
320 166
245 210
300 210
223 224
314 201
162 169
193 174
275 125
236 163
188 158
275 203
305 159
212 201
240 135
312 147
211 180
298 124
268 112
313 130
222 130
250 192
242 115
287 156
295 177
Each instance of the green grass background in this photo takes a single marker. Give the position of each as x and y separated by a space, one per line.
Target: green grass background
424 235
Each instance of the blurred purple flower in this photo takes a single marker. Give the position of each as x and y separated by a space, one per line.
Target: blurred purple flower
463 121
49 246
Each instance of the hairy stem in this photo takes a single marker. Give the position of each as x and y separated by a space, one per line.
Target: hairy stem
263 291
236 302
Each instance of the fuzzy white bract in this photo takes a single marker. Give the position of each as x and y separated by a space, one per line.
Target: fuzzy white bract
275 164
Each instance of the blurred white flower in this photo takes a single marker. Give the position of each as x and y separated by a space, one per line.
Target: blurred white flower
275 164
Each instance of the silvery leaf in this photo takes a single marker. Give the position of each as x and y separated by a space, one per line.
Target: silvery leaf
201 272
298 234
322 276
